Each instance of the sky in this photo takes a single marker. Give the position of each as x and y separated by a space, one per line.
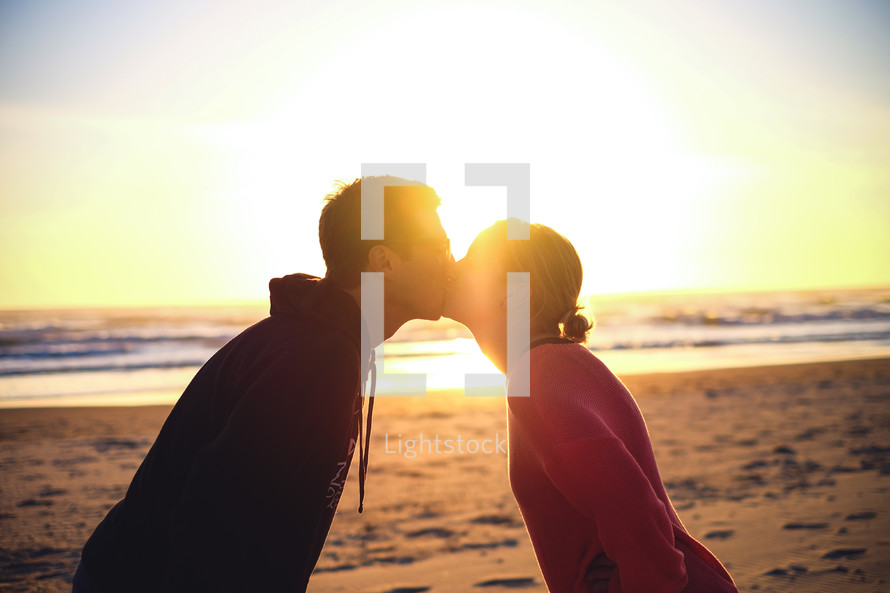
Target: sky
177 152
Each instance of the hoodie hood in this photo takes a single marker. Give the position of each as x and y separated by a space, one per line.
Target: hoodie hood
304 295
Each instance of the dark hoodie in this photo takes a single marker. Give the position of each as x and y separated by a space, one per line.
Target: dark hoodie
241 485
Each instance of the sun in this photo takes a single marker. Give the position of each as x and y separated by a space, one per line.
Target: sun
608 164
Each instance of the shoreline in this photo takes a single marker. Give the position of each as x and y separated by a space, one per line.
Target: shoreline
163 398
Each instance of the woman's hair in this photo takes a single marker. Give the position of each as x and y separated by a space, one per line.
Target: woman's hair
555 274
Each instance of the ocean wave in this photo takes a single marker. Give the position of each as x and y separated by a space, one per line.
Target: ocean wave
95 346
40 342
758 316
859 336
94 368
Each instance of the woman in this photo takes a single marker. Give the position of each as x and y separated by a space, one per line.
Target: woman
582 467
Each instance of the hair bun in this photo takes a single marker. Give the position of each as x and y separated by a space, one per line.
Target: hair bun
575 326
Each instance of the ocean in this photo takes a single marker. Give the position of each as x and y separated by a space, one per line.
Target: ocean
130 356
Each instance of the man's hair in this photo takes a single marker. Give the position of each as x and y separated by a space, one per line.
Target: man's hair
340 225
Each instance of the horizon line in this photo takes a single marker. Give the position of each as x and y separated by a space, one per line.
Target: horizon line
257 302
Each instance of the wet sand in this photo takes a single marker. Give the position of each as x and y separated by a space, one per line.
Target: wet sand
782 471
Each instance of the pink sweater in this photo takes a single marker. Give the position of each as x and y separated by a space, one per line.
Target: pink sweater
583 472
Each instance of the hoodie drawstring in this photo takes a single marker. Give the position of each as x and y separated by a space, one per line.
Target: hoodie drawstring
364 449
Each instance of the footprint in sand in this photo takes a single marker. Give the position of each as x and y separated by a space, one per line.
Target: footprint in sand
721 535
66 463
426 515
493 520
509 583
848 553
105 445
805 526
432 531
31 502
50 491
864 516
794 569
507 543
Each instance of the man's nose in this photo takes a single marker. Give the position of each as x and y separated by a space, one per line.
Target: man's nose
451 268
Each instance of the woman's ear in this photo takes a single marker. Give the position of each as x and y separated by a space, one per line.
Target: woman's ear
380 259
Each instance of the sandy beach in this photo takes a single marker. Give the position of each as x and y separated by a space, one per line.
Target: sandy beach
782 471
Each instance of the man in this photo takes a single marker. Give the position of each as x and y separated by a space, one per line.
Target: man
240 487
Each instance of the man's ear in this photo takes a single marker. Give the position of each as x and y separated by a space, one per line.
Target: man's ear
380 259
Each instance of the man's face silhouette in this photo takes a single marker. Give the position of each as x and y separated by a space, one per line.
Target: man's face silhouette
419 279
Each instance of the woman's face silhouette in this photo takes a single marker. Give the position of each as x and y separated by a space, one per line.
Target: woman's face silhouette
476 295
